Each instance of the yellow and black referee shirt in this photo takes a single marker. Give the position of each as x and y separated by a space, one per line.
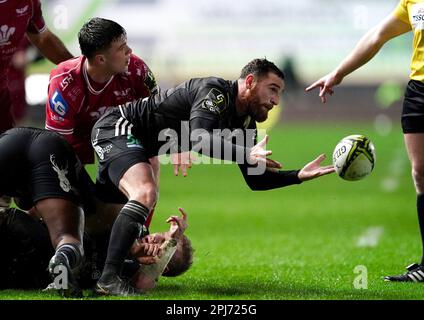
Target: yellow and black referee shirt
412 12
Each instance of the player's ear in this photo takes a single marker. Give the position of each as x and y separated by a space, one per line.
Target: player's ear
99 58
249 81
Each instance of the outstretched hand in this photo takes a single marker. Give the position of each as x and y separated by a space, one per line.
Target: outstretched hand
313 169
326 85
258 155
178 224
182 161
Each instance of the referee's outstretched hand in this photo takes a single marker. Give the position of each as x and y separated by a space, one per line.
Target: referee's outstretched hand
313 169
325 85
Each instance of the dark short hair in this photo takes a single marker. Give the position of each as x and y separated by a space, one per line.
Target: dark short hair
181 260
260 68
97 35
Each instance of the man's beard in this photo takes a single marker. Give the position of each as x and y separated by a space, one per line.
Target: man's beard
256 111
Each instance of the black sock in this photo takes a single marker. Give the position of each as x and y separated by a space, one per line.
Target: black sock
420 210
124 232
73 254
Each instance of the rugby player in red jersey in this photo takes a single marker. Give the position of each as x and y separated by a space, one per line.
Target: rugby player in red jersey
83 88
17 20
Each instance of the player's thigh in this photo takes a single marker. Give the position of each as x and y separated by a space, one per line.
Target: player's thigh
64 220
413 123
53 169
122 164
414 143
139 181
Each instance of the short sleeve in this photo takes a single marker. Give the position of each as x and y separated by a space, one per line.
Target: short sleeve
401 11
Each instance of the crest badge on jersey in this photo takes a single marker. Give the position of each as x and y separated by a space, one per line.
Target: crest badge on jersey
5 33
58 105
214 101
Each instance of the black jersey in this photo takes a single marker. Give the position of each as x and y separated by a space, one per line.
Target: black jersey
212 99
200 105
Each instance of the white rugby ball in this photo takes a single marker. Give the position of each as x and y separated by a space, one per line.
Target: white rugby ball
354 157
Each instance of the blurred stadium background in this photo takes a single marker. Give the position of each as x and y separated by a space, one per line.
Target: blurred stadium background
302 242
307 38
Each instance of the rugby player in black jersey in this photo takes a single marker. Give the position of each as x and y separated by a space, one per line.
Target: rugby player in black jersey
40 170
127 135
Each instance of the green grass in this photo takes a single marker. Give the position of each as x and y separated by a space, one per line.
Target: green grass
298 242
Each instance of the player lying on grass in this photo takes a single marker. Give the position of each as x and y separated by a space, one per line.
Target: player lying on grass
211 116
25 248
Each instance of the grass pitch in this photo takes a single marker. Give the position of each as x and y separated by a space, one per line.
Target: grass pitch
310 241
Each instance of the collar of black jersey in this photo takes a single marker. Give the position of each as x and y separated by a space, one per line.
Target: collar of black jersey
236 120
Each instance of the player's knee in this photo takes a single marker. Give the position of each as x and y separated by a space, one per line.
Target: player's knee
418 176
147 195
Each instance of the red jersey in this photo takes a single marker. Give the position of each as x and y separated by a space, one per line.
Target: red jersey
16 18
75 101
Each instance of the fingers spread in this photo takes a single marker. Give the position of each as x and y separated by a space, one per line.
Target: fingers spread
183 212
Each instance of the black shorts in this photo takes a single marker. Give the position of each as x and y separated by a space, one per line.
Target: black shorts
37 164
117 149
413 108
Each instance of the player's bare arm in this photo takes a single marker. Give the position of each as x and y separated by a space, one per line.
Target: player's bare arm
367 47
50 46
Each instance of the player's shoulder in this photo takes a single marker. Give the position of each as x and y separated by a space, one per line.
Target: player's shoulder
137 67
213 93
213 82
67 80
71 69
213 86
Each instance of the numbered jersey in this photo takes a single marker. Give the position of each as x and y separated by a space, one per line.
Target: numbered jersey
75 101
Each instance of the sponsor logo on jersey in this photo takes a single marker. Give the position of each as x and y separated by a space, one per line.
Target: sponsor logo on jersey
150 82
102 151
5 33
133 142
122 93
214 101
22 11
57 118
61 173
66 81
417 16
58 105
